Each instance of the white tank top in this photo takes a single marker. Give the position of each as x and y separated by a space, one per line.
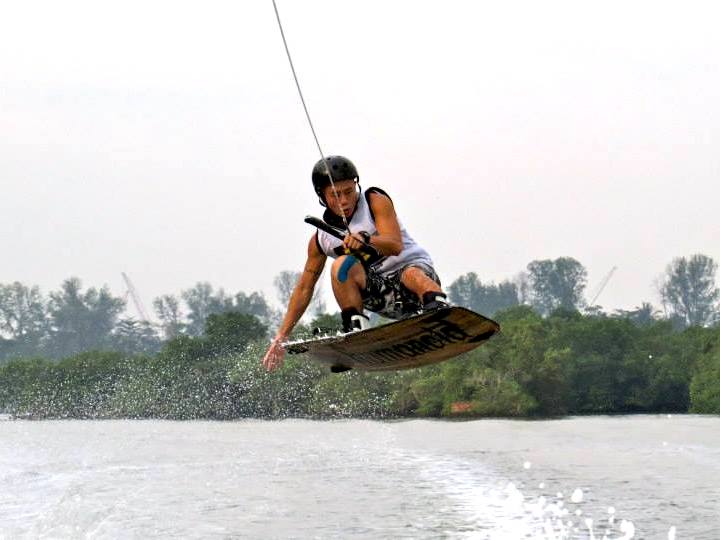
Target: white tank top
363 220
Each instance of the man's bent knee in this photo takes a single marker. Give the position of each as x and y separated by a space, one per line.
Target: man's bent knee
346 268
415 274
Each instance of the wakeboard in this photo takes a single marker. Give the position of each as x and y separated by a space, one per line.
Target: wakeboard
419 340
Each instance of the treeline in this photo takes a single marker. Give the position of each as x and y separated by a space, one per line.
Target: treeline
72 320
556 355
687 291
566 363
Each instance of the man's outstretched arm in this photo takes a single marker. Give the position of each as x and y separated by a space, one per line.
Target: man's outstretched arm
299 301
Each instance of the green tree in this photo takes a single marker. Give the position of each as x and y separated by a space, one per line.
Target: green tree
556 284
495 393
354 394
81 321
202 301
253 304
27 387
427 392
22 311
285 284
705 385
135 337
521 352
84 383
688 290
232 331
326 323
470 292
167 309
23 319
607 371
643 315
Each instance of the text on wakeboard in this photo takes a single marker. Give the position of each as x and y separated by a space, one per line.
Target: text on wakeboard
435 336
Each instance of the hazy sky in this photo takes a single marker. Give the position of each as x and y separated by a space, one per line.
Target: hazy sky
166 139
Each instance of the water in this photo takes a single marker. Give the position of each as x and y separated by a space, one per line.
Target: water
620 477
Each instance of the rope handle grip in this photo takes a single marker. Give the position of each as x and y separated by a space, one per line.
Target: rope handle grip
368 254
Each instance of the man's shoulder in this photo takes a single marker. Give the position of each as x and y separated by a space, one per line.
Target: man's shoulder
379 202
374 190
376 193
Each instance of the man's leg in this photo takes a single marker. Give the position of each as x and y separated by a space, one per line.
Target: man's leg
427 290
348 280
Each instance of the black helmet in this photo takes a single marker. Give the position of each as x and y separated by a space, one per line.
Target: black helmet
340 167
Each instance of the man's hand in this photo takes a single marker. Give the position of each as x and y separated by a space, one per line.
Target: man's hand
357 241
274 356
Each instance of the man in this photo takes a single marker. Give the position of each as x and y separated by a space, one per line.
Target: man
401 282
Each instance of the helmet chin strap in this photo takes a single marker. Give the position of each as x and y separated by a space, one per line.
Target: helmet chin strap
307 114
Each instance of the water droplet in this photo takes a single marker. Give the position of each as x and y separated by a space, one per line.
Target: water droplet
578 512
611 510
559 495
577 496
542 485
527 465
628 528
671 533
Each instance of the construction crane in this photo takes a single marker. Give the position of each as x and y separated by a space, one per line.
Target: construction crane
602 285
132 291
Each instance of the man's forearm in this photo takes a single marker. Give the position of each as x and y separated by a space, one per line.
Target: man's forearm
299 301
386 244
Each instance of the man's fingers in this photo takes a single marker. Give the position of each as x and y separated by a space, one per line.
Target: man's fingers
352 242
274 356
269 363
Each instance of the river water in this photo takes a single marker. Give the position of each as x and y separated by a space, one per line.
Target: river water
590 477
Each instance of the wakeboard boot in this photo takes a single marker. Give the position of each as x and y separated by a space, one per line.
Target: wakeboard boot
353 320
434 300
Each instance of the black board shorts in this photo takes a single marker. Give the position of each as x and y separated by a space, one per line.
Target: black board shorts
385 295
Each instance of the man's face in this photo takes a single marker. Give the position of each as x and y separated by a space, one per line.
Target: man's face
347 197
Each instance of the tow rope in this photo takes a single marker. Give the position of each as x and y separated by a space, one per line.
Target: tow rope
307 114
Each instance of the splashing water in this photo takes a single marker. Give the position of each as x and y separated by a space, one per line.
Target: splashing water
504 512
628 529
589 525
